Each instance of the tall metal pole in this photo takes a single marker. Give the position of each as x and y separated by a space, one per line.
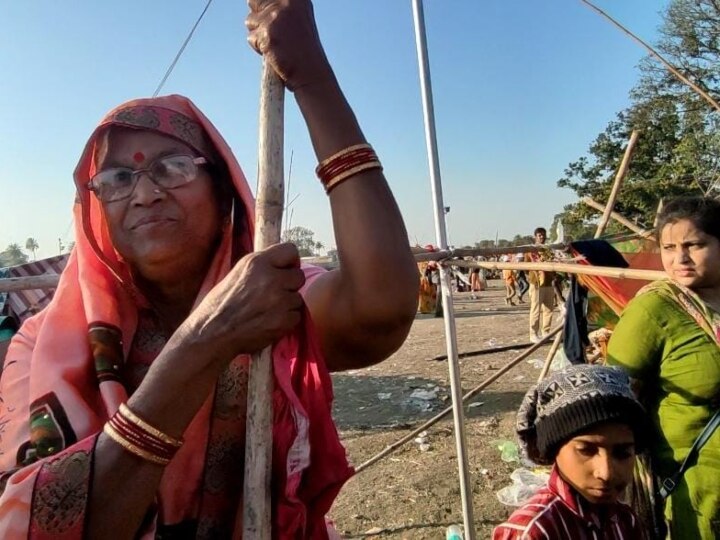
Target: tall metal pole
445 289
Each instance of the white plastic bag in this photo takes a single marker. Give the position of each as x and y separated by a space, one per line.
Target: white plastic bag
524 485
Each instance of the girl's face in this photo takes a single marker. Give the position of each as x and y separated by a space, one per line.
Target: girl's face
599 463
690 256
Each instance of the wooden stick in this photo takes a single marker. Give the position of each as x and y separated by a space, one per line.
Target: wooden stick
44 281
617 184
268 224
490 350
550 356
657 55
423 255
661 204
619 218
568 268
471 394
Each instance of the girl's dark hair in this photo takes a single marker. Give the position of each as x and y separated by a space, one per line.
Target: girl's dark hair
702 212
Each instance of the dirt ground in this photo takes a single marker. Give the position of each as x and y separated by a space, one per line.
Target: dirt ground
414 492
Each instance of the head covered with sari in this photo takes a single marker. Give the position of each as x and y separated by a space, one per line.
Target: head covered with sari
63 377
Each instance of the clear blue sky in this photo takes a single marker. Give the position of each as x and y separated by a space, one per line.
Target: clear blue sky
521 89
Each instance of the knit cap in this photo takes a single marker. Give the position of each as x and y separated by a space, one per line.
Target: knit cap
569 402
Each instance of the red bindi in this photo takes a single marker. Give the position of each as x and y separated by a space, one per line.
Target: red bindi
139 157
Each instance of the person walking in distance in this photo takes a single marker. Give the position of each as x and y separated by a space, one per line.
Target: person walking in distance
541 292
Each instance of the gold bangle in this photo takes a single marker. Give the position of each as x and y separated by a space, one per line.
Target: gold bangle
142 424
130 447
362 146
351 172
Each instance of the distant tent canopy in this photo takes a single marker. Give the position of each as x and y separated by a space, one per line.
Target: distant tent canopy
23 304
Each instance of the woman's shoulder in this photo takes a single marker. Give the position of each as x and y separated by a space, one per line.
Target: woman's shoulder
653 301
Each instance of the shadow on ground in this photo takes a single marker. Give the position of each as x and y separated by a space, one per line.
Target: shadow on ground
371 403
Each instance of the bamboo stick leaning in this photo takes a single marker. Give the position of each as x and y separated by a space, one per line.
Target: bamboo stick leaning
617 184
268 222
619 218
702 93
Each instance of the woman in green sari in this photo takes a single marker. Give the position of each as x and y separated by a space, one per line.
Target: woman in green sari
668 339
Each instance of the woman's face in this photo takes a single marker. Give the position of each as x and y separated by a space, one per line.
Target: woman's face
690 256
158 229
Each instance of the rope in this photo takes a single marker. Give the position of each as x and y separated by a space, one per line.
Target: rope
182 49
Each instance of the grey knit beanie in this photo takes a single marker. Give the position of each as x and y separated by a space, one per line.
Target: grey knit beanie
569 402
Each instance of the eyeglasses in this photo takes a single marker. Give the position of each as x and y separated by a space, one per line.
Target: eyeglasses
167 172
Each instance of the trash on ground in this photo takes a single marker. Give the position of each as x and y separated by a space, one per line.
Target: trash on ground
476 404
508 450
384 395
525 483
537 363
454 532
425 395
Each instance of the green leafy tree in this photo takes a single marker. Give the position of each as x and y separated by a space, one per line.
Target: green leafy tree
678 151
32 245
12 256
304 239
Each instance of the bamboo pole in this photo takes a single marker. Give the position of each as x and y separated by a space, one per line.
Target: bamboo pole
619 218
657 55
585 269
617 184
660 206
490 350
445 290
44 281
471 394
424 255
268 224
551 354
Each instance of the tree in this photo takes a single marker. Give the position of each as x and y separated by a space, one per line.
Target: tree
304 239
32 245
12 256
678 152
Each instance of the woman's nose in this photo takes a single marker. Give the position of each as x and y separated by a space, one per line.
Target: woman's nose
146 191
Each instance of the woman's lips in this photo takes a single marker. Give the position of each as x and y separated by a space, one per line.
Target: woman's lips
150 221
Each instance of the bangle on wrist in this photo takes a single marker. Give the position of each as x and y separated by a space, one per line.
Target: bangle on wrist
346 164
140 438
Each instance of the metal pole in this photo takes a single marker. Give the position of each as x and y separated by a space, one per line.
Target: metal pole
445 289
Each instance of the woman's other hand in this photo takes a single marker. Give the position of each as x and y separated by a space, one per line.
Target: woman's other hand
253 306
284 32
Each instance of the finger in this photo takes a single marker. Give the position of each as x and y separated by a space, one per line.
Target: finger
293 279
283 255
252 21
297 302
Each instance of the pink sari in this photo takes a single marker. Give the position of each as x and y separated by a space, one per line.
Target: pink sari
63 379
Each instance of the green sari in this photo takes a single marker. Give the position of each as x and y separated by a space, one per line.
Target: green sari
667 338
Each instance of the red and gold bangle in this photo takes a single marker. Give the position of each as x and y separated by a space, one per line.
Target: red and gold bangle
132 448
141 439
132 418
345 164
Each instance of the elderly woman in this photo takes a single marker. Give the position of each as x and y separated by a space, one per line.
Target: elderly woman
667 339
123 403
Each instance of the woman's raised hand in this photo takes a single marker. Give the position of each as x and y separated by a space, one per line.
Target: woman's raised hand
256 304
284 32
